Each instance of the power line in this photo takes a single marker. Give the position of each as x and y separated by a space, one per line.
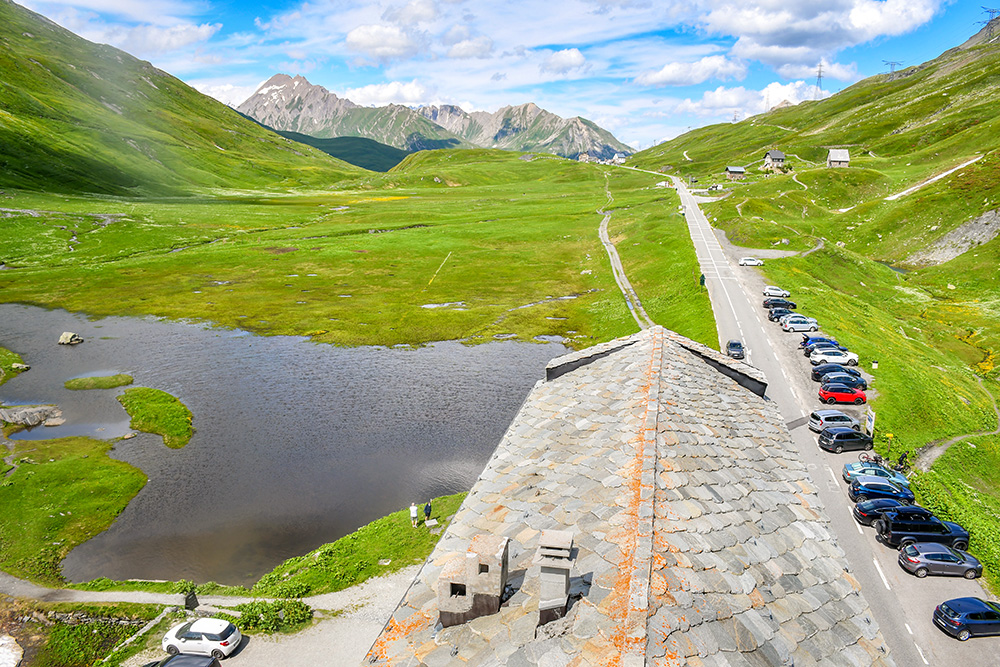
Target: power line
892 67
819 80
989 22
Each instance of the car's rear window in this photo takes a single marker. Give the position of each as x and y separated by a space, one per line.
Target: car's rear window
948 611
227 632
910 550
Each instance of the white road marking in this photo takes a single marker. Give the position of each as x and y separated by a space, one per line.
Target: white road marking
907 626
882 574
921 653
861 532
832 475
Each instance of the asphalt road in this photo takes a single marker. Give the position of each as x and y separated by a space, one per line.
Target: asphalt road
901 603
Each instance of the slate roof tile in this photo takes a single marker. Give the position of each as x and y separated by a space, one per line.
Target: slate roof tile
740 557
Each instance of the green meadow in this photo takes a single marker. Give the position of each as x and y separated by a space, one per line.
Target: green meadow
156 411
465 245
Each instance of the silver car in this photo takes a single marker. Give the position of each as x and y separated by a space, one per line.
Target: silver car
821 419
771 290
925 558
799 323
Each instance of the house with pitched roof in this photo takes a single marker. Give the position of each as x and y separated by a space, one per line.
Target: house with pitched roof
774 159
646 507
736 173
838 157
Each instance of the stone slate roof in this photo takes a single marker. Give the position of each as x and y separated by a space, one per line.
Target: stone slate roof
736 170
839 155
701 540
775 154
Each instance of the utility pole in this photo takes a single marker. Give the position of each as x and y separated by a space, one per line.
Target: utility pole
989 22
819 80
892 68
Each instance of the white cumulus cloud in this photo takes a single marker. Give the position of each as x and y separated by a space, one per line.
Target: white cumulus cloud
687 74
382 42
394 92
417 11
479 47
561 62
150 39
227 93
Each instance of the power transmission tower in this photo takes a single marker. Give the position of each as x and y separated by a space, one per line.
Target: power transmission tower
989 22
819 80
892 68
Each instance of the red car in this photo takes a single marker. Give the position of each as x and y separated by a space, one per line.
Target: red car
841 393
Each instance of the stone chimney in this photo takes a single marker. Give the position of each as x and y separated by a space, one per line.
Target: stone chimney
471 585
555 555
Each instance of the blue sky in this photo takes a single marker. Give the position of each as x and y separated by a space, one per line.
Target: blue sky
645 69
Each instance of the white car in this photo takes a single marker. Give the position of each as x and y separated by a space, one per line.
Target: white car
771 290
751 261
204 636
833 356
799 323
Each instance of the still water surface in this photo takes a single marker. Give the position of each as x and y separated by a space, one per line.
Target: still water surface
296 443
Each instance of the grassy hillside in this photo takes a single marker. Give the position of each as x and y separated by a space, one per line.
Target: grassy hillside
933 326
81 117
361 152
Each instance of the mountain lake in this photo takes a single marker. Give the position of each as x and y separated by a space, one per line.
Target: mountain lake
296 443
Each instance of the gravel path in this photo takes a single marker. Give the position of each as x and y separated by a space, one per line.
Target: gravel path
341 639
930 452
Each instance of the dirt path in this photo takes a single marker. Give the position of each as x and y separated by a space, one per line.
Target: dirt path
631 298
795 178
931 451
931 180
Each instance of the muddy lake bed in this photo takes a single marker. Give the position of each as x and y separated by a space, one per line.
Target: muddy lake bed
295 444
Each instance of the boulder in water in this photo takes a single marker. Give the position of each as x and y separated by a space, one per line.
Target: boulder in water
70 338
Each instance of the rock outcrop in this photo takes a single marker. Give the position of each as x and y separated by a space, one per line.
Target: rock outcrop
966 236
31 415
70 338
10 652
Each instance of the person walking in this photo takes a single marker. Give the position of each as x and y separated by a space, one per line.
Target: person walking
413 514
427 512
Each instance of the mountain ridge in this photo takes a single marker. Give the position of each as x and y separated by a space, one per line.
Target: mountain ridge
293 104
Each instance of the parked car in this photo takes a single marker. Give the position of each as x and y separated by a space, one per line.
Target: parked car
771 290
776 314
185 660
866 487
775 302
858 468
898 530
923 558
838 438
833 357
808 339
868 512
840 393
846 379
820 345
799 323
821 419
823 369
968 617
734 349
204 636
751 261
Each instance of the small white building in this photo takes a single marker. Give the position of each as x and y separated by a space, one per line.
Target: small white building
838 157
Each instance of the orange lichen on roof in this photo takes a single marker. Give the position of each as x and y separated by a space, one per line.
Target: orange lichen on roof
393 632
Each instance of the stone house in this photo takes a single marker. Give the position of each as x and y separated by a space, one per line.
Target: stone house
698 537
736 173
838 157
774 159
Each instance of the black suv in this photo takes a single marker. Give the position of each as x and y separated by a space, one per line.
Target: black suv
899 529
838 438
775 302
776 314
819 371
734 349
